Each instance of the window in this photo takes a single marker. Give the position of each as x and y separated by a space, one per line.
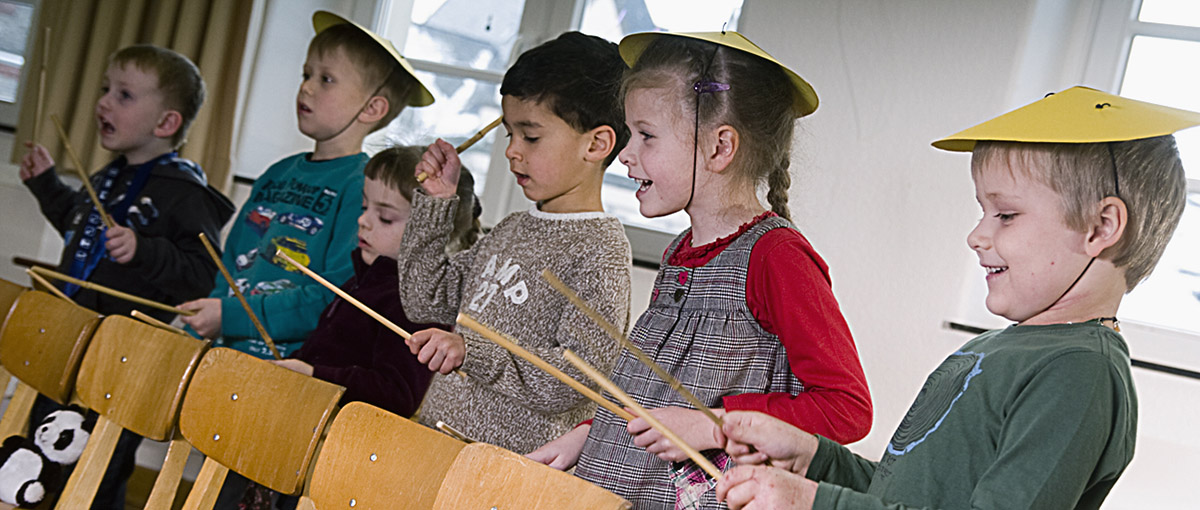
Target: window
16 21
1163 40
461 49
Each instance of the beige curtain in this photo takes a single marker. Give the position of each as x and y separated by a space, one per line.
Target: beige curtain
83 33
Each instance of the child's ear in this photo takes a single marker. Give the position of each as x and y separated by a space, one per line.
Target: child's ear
601 141
723 147
376 109
1108 226
168 124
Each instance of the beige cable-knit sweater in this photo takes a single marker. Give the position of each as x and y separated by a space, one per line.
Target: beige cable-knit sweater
505 400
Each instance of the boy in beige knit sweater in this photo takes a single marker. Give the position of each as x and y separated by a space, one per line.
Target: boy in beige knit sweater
565 126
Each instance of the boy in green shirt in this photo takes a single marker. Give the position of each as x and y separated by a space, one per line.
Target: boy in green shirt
307 205
1080 193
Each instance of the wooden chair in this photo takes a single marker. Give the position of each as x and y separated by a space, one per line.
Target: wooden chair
260 420
487 476
376 459
134 375
9 292
42 343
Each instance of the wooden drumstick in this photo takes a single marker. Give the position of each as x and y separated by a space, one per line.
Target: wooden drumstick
157 323
112 292
50 287
498 339
41 93
350 299
616 334
445 427
212 252
628 401
467 144
83 174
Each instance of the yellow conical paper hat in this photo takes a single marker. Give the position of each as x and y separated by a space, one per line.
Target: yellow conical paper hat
805 101
420 97
1075 115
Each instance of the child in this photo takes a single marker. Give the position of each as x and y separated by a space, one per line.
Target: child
1080 193
352 349
354 82
159 201
742 311
565 127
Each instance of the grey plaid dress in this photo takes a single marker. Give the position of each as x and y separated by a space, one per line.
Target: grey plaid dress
700 329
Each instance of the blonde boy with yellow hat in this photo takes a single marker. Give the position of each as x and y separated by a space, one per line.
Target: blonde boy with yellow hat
1080 193
307 205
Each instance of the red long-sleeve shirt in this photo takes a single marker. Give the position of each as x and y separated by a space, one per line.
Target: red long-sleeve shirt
789 291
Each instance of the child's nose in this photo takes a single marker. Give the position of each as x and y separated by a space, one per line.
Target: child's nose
978 239
510 152
625 156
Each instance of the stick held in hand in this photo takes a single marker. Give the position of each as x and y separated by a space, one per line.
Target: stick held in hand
467 144
212 252
83 173
112 292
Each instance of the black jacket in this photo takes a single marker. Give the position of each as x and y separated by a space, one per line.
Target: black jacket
170 265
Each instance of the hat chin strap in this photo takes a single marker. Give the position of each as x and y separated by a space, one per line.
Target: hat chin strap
364 106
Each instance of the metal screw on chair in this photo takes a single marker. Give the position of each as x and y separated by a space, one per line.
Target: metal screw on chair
26 362
41 330
233 397
374 457
353 502
216 437
107 396
124 359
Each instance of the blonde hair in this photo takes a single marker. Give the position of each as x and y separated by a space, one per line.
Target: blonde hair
179 81
1149 178
394 167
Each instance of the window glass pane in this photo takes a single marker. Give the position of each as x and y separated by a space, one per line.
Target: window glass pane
469 33
1171 12
1171 296
1156 73
614 19
15 19
463 107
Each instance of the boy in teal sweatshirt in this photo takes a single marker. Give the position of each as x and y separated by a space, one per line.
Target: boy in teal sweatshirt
307 205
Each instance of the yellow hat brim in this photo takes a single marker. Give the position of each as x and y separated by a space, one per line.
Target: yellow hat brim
1075 115
805 101
421 97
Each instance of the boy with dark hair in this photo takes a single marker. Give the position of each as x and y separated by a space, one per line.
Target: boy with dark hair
1080 193
159 202
565 125
307 205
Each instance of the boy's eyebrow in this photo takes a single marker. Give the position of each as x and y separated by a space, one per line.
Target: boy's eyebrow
526 124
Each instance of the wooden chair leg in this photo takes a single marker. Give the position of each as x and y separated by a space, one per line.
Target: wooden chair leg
207 487
162 496
81 487
16 418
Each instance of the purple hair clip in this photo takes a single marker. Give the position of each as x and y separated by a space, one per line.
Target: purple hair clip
703 87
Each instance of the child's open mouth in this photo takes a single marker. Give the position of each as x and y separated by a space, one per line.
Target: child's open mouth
106 128
995 270
643 184
303 108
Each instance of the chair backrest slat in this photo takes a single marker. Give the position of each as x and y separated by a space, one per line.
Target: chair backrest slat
43 340
366 450
259 420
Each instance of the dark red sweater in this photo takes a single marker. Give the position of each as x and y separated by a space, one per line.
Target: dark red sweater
789 291
352 349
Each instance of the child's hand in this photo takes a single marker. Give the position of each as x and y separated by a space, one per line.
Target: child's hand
786 446
121 243
294 365
440 350
764 488
692 426
207 320
35 162
562 453
441 166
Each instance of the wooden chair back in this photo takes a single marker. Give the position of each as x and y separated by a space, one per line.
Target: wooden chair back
42 342
134 375
487 476
260 420
376 459
9 292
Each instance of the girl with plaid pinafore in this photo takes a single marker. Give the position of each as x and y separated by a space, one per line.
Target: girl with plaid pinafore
742 311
